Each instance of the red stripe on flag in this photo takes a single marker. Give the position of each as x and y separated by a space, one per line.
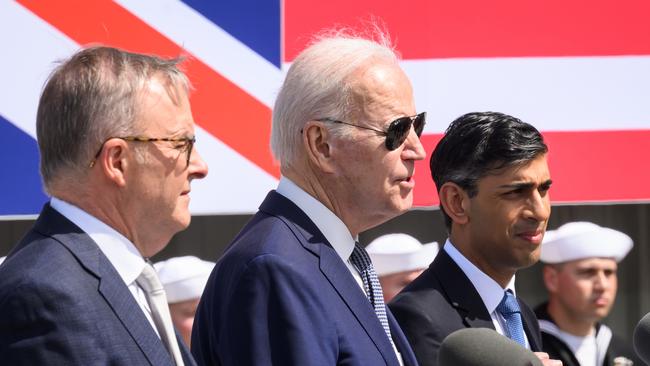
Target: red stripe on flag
426 29
219 106
589 166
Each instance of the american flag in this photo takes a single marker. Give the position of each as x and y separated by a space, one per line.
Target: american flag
577 70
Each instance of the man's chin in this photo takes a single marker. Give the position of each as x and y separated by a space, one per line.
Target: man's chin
182 221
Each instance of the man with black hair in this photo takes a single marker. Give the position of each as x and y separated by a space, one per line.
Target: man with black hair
492 176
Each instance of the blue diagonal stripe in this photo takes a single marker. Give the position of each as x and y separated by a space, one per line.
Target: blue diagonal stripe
256 23
21 191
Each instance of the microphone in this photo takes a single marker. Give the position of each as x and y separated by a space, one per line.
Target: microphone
483 347
642 339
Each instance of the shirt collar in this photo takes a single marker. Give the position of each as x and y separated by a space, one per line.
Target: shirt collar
490 291
334 230
122 254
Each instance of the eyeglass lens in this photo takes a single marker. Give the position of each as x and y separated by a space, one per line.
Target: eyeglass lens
399 129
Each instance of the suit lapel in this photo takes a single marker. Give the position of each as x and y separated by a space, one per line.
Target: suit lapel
111 286
339 276
460 292
188 360
402 344
333 269
531 326
463 296
118 296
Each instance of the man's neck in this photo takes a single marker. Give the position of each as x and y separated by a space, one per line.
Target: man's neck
569 323
313 186
103 209
499 275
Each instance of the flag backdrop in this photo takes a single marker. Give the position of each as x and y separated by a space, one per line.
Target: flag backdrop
577 70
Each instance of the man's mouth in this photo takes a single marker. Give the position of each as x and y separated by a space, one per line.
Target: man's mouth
533 236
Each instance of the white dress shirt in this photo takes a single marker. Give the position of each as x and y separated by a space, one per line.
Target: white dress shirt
334 230
488 289
585 349
123 255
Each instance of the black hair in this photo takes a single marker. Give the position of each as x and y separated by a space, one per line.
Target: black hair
478 143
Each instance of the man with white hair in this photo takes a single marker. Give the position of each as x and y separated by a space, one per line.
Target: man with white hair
295 287
183 279
580 275
398 260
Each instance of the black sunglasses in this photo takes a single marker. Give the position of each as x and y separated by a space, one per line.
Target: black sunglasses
397 131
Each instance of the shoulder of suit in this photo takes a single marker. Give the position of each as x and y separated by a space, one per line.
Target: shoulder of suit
266 234
40 258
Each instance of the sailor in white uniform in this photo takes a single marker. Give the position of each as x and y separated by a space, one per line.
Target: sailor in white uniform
580 264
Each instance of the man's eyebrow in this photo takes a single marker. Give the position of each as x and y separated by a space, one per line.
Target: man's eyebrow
526 185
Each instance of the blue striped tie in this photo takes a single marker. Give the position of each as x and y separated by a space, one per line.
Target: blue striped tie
361 261
509 309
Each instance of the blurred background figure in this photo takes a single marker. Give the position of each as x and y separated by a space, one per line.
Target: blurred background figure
580 275
183 279
398 260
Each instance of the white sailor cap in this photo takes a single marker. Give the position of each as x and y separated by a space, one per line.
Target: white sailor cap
394 253
183 277
579 240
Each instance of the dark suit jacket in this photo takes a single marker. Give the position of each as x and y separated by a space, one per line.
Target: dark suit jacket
442 300
63 303
281 295
557 349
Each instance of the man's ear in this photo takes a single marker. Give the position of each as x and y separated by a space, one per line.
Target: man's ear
317 143
114 161
550 276
455 201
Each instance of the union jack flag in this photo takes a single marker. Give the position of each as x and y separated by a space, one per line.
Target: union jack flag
577 70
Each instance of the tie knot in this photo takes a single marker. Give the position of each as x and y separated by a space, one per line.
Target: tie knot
508 304
360 258
148 279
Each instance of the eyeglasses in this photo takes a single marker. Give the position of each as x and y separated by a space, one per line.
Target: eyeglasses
397 131
186 145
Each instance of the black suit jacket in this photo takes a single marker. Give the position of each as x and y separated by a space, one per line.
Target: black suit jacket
281 295
63 303
557 349
442 300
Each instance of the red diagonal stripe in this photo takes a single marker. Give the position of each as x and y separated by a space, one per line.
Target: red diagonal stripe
220 107
478 28
596 166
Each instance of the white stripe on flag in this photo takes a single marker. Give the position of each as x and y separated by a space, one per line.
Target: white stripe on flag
212 45
234 185
559 94
32 47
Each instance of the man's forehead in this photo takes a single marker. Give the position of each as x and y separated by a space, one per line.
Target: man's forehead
534 171
383 89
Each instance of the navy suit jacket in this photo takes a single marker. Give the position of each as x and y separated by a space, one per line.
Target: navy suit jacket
442 300
281 295
63 303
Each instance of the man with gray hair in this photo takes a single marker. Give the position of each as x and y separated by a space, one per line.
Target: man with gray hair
116 136
295 287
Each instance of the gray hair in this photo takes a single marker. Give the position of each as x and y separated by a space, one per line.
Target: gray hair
91 97
319 84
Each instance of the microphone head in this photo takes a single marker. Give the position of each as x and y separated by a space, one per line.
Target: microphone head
642 339
484 347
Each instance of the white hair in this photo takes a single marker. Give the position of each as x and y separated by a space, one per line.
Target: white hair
319 84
